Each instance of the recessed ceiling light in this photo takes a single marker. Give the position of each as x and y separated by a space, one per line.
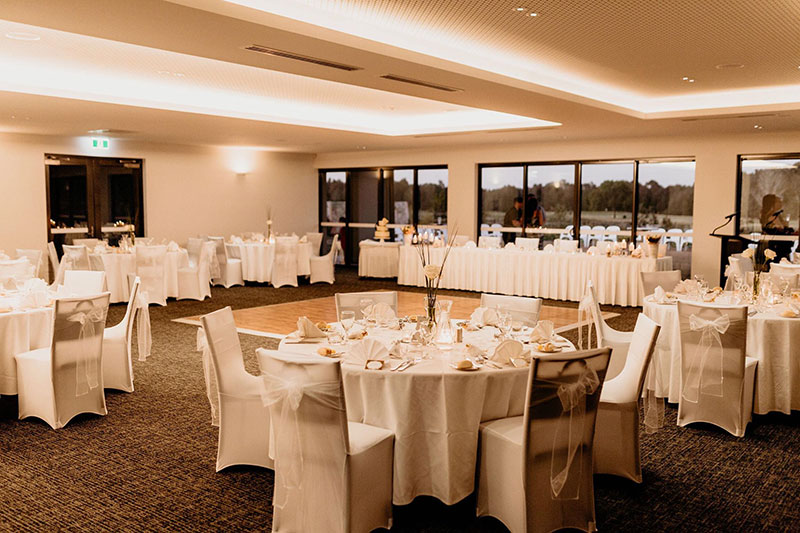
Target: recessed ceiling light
685 78
691 80
533 14
520 9
758 127
22 36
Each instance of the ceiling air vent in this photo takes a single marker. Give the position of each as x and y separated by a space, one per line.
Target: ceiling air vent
298 57
725 117
412 81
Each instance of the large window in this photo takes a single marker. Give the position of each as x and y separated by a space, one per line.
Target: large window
353 200
769 200
605 210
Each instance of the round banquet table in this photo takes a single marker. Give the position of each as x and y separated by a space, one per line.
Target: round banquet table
117 266
21 331
257 260
772 339
434 411
554 275
378 259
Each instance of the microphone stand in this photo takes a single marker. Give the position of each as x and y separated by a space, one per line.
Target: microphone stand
727 221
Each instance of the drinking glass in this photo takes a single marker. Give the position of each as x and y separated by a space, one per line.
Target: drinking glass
366 306
503 322
347 318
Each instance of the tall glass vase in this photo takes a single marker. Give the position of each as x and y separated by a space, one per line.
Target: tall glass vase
430 308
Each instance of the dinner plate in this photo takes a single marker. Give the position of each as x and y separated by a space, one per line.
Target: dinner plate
454 366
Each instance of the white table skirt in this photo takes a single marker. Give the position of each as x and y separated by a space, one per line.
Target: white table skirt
773 340
257 260
435 413
118 266
378 259
558 276
21 331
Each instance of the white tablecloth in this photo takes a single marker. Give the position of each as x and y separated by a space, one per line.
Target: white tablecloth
435 413
21 331
377 259
118 266
773 340
559 276
257 260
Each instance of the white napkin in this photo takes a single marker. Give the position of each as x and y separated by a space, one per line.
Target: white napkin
659 295
172 246
785 261
235 239
592 250
306 330
99 248
258 236
33 294
304 238
543 332
510 245
507 350
471 244
483 316
367 349
549 248
638 252
380 312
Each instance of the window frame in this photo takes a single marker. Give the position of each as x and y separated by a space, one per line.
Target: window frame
751 157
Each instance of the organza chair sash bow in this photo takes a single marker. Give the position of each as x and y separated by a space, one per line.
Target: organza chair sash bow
697 375
564 480
87 362
212 392
287 394
586 314
144 336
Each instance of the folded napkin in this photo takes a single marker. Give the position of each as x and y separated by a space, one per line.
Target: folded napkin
365 350
638 252
473 351
381 312
507 350
172 246
549 248
304 238
258 236
543 332
471 244
306 329
235 239
592 250
33 294
100 248
483 316
357 333
510 245
687 286
659 295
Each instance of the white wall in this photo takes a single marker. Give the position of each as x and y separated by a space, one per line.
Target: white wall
715 173
188 190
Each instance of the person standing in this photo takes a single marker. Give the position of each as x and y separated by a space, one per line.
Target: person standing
513 218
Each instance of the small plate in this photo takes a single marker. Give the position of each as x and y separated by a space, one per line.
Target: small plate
454 366
556 349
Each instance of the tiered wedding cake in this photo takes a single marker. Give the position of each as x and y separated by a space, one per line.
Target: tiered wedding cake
382 231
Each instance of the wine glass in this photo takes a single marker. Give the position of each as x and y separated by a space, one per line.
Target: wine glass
365 305
347 319
503 322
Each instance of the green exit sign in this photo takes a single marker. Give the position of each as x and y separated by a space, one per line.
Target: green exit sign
100 143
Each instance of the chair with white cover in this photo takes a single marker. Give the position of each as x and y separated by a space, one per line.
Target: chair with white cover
244 421
230 268
616 439
351 301
53 256
75 258
193 247
618 341
521 308
535 470
284 267
15 271
717 378
84 282
88 243
666 279
566 246
790 272
194 283
322 267
315 239
65 379
330 474
487 241
527 243
151 269
117 363
34 257
460 240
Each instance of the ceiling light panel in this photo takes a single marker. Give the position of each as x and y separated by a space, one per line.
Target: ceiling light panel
626 53
87 68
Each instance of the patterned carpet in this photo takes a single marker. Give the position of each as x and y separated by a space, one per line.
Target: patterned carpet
149 464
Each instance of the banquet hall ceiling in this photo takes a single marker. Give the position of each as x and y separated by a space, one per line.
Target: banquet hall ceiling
599 69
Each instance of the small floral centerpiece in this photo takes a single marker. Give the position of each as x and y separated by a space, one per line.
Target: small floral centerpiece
432 270
761 256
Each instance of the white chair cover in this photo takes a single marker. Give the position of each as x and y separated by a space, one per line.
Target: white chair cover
117 364
486 241
316 242
14 272
151 269
351 301
716 376
616 439
322 268
791 272
589 312
521 308
53 256
328 476
284 267
244 422
84 282
460 240
666 279
88 243
527 243
551 444
34 257
59 382
193 247
195 283
74 258
230 265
